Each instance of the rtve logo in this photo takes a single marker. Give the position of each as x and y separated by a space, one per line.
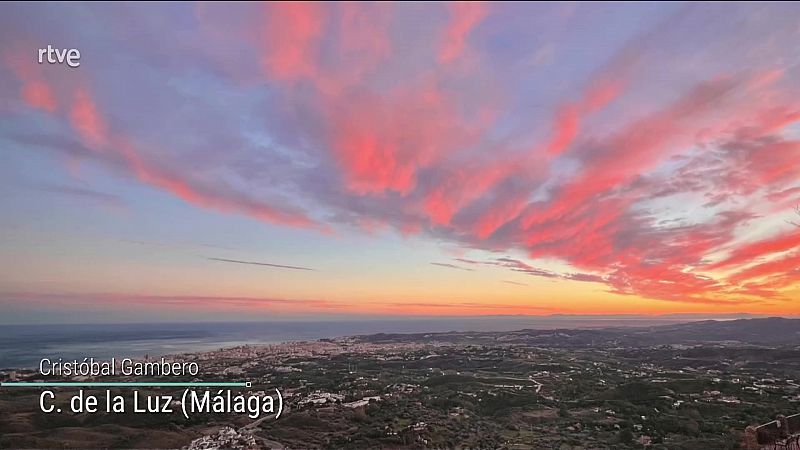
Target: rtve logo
70 56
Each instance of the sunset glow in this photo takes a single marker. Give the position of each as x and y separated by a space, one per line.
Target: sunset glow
311 160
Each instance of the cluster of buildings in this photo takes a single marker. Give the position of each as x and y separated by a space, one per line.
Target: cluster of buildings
226 438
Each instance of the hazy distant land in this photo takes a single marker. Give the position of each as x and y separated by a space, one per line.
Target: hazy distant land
26 345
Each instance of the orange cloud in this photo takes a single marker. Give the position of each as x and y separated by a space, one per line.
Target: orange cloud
220 303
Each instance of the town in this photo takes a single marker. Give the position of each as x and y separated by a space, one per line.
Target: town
689 386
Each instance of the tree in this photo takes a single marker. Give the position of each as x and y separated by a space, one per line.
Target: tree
626 436
797 210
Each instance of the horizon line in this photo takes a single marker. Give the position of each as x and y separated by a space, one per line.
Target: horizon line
676 316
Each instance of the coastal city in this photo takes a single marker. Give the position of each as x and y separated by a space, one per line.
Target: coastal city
687 386
468 225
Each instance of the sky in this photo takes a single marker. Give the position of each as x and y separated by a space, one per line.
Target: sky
304 160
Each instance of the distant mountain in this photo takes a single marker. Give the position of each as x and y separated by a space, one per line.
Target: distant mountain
770 330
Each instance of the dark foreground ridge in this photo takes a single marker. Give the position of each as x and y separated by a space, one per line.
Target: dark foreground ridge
782 433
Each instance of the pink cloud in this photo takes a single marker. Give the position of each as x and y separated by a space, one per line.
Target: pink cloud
93 129
38 94
380 131
382 141
464 17
569 116
35 91
87 121
292 34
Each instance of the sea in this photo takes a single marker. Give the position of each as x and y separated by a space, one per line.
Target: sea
23 346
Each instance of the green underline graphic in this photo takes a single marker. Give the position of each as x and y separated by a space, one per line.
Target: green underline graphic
120 384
